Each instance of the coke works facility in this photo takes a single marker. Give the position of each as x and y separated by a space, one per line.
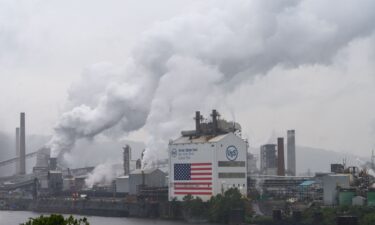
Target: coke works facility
208 160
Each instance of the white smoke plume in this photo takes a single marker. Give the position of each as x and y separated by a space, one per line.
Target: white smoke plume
193 61
102 174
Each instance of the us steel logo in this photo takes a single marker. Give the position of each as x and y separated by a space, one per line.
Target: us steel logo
232 153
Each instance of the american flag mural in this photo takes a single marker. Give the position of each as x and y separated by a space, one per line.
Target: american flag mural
193 178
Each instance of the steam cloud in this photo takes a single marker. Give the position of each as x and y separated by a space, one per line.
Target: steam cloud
193 61
103 174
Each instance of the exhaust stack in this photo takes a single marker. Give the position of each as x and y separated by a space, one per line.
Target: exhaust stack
215 116
198 118
280 157
52 163
22 144
291 152
127 155
18 162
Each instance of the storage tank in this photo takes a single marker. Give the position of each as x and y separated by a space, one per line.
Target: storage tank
345 196
371 197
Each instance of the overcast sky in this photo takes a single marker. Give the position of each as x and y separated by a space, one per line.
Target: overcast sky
269 66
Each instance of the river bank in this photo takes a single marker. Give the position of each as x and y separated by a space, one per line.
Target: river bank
91 207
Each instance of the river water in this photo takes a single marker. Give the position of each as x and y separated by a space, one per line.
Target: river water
17 217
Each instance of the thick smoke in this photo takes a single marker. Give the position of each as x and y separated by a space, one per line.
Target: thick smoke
191 62
102 174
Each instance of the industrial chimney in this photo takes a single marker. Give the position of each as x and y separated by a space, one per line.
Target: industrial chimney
198 118
18 162
127 155
22 144
138 164
52 163
214 120
291 145
280 157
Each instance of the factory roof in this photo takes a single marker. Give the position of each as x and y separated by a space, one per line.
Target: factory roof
307 183
200 139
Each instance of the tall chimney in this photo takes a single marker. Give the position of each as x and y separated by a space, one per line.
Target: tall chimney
138 164
214 120
18 150
280 157
127 152
197 122
52 163
291 145
22 144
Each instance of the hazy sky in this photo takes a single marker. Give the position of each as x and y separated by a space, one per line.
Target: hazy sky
307 65
45 46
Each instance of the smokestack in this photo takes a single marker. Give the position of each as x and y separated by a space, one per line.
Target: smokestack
291 145
52 163
280 157
143 178
138 164
214 120
18 150
22 144
198 122
127 155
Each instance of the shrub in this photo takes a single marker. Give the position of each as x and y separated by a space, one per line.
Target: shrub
55 219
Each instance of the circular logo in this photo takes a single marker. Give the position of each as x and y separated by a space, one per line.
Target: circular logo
174 153
232 153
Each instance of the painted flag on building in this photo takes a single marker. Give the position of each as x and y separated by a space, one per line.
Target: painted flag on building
193 178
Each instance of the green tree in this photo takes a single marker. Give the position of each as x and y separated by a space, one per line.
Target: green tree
194 207
55 219
220 206
368 219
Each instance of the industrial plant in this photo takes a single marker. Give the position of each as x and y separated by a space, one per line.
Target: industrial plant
203 162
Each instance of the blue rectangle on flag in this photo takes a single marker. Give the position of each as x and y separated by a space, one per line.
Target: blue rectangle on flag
182 171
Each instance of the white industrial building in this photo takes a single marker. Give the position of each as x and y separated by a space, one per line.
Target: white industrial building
207 161
147 177
331 182
122 184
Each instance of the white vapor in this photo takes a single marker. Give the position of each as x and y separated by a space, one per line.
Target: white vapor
102 174
193 61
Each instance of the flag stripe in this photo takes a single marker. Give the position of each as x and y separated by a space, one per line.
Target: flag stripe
192 193
201 174
204 168
193 183
201 178
193 188
201 164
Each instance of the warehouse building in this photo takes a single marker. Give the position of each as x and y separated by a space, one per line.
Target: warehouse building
208 160
144 178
